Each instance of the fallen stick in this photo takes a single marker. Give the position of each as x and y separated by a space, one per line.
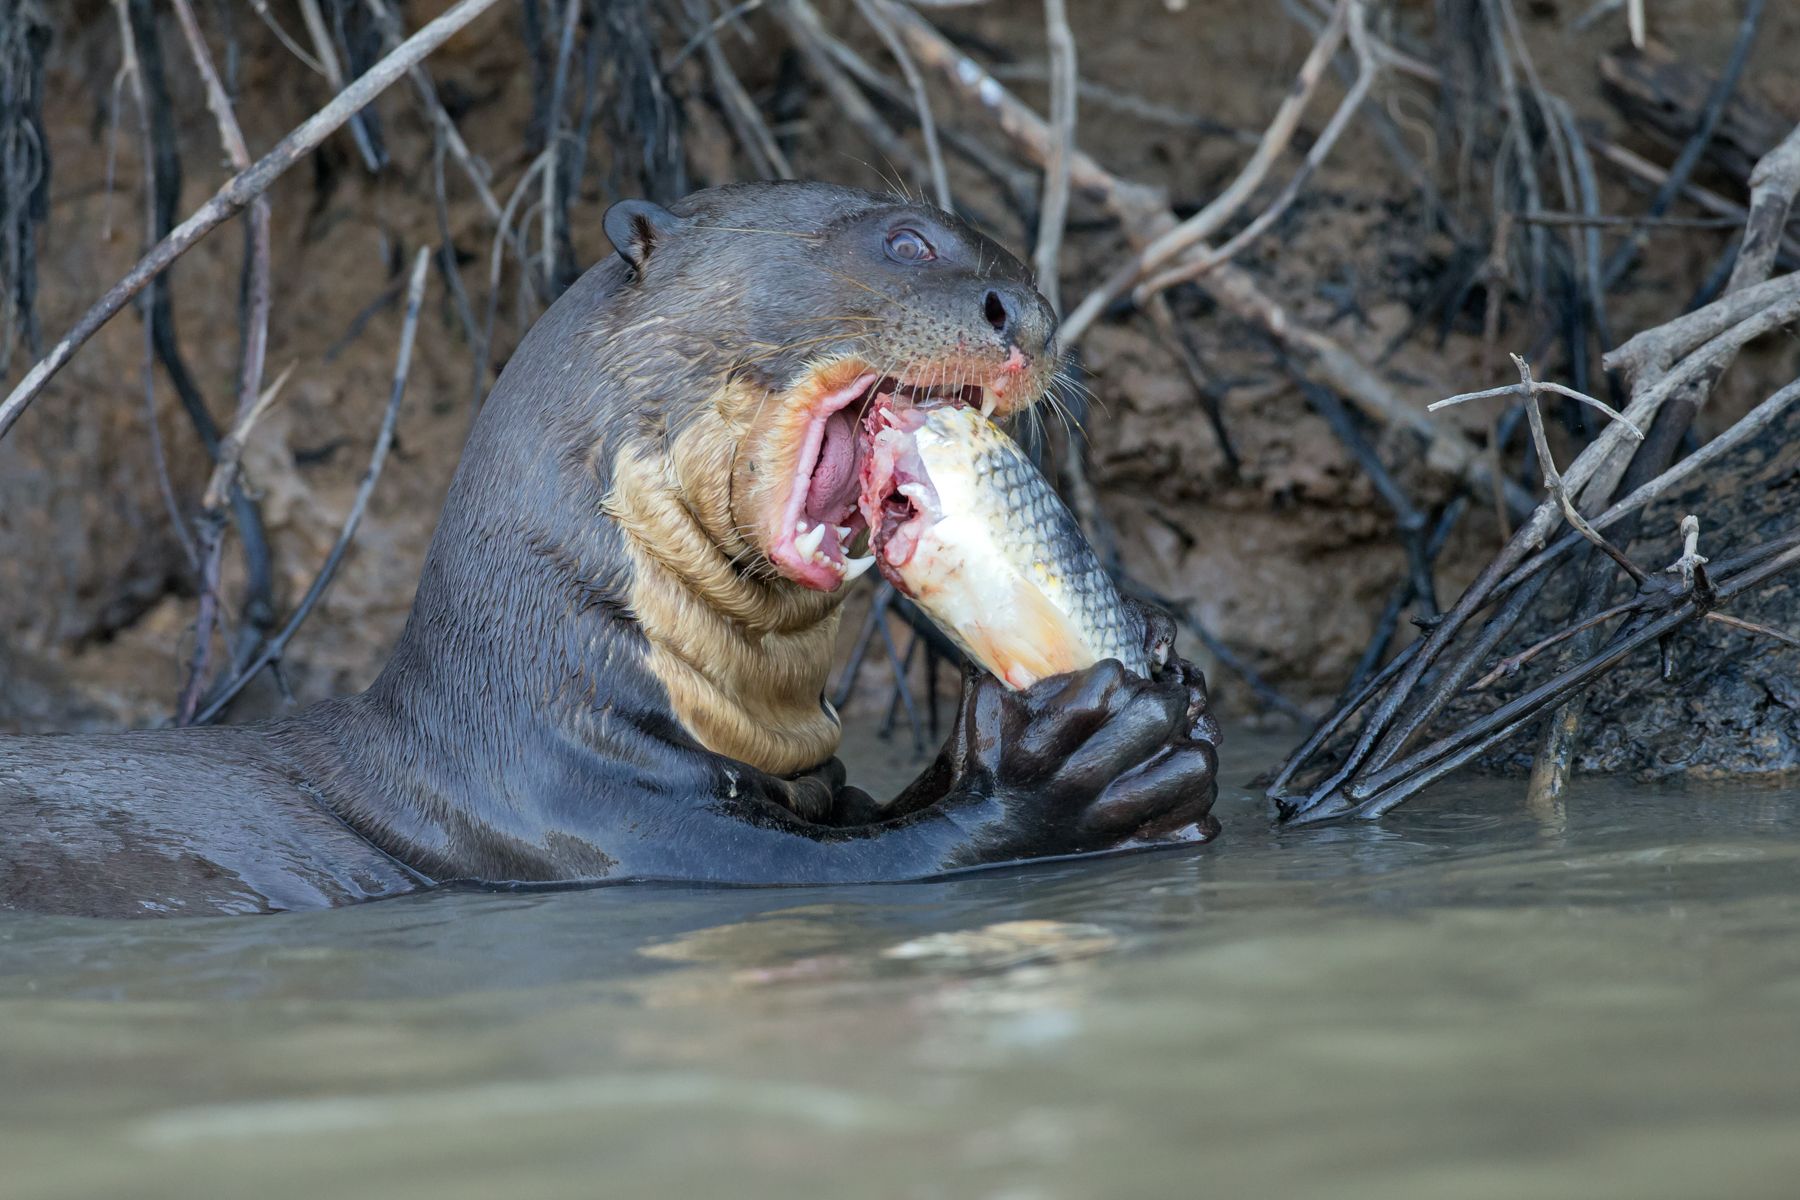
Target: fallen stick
1194 266
276 646
1511 581
250 372
1646 359
238 192
1385 789
1628 161
472 168
1774 182
875 13
1626 253
1053 213
806 32
1144 214
1166 246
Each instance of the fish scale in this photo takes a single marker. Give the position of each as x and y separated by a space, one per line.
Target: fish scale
1003 541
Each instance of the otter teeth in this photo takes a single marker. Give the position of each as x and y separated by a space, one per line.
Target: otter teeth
808 540
854 567
987 403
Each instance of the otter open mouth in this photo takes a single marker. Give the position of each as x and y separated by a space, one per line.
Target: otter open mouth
821 520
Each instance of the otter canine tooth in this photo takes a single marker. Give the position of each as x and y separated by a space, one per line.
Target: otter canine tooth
987 403
843 532
808 541
856 566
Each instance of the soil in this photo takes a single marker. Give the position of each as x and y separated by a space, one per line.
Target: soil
1287 560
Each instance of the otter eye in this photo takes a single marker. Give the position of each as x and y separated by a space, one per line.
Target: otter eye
907 246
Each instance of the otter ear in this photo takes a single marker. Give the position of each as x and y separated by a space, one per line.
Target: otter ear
635 226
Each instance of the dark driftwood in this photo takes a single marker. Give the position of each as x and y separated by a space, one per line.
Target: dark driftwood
1376 772
1706 125
1659 93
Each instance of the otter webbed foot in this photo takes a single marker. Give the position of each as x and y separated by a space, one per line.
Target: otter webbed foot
1094 760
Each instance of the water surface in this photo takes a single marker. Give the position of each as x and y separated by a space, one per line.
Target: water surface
1468 999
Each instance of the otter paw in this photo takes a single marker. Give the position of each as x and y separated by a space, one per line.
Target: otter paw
1168 798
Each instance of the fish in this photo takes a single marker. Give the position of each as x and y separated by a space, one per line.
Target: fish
962 523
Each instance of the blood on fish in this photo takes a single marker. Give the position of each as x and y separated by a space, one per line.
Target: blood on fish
962 523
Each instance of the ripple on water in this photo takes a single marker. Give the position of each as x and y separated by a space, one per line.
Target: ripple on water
1469 998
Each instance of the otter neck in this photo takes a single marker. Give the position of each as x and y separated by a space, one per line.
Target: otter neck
743 654
580 590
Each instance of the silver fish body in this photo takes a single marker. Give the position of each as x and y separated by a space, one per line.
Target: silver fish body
965 525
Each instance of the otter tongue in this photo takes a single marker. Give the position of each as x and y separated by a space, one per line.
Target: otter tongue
834 478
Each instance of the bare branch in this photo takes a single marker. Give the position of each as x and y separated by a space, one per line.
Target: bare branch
1209 220
238 192
1553 481
875 12
804 28
1753 627
1144 214
1541 385
277 646
1053 214
1511 664
1196 265
1773 184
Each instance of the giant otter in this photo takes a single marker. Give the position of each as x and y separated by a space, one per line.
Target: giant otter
615 662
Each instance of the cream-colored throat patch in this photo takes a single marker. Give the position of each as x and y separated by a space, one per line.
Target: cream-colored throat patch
744 658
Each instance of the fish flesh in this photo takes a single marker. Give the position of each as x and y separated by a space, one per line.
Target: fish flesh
961 522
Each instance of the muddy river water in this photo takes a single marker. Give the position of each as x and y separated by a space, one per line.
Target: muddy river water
1469 999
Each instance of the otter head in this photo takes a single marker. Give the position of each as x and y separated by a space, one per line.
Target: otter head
799 306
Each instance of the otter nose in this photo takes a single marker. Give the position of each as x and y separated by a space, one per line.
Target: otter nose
1000 315
1021 319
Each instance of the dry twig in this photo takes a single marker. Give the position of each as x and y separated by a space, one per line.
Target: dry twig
473 169
130 70
752 132
238 192
250 374
876 13
1053 214
1193 232
1670 369
1374 776
1536 386
1144 214
807 32
1195 265
327 61
276 646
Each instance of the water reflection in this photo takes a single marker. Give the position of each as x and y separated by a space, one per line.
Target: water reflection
1469 997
